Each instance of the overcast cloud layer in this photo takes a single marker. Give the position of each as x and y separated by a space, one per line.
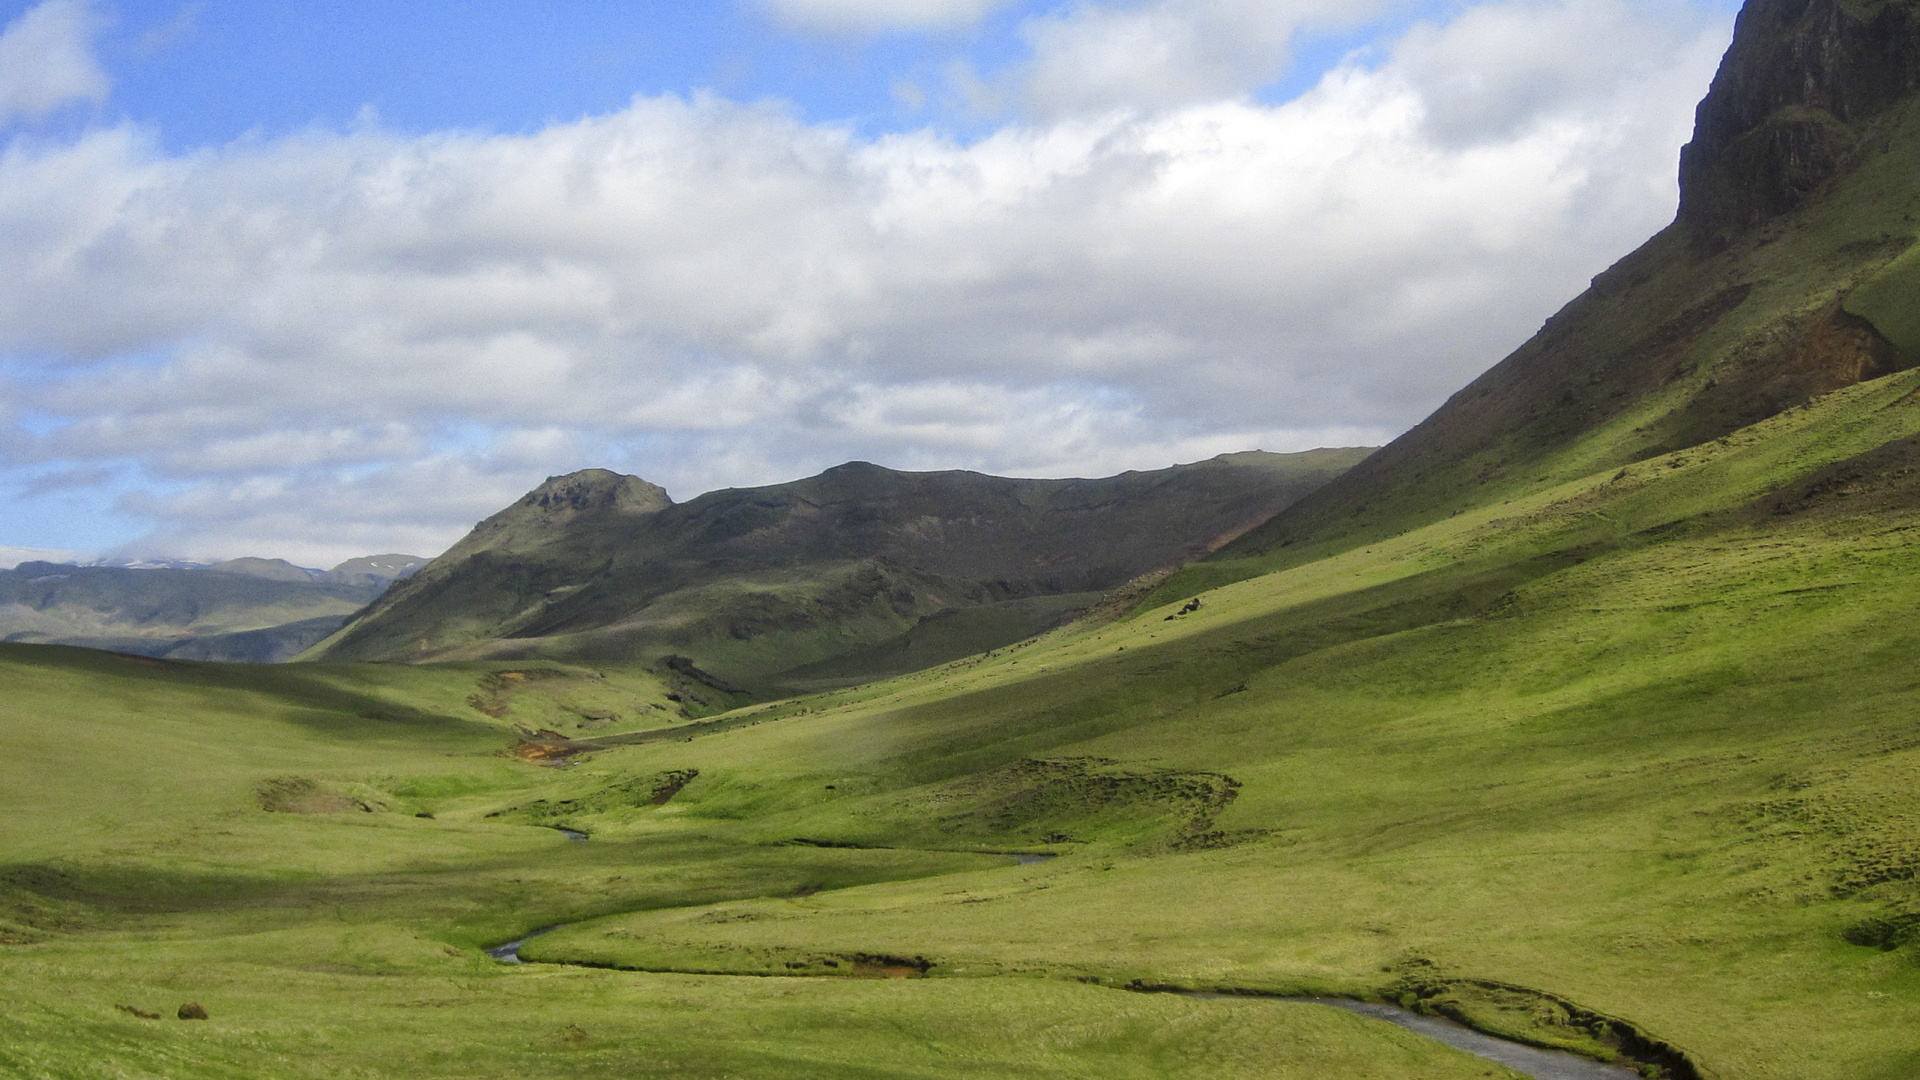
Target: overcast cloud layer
347 342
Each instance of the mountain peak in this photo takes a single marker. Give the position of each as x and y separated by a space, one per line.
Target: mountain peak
544 513
1793 99
597 489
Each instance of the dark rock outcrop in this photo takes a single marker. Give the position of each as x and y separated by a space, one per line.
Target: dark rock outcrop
1799 88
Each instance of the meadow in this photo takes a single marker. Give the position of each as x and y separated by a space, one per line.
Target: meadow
1624 764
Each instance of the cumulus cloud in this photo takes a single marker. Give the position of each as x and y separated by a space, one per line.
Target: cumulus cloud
1095 57
47 61
874 15
11 557
335 343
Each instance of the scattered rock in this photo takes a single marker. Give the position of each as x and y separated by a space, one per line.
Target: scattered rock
141 1013
192 1010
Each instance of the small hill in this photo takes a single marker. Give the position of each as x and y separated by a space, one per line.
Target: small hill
265 569
859 571
379 570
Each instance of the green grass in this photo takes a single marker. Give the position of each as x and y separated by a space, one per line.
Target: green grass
141 869
1891 301
1639 743
1626 744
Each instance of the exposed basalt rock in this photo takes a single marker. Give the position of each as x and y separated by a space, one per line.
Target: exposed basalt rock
1799 87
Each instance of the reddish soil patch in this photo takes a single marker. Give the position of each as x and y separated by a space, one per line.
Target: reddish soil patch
545 747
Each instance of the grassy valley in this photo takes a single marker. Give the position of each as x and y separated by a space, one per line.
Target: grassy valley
1584 714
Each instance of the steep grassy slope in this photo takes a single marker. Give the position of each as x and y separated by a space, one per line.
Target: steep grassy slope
1798 188
858 572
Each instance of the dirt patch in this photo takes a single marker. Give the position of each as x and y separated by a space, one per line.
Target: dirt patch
872 966
495 697
545 747
668 784
299 795
141 1013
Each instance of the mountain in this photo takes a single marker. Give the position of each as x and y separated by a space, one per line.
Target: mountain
376 570
1580 718
856 572
242 611
1790 272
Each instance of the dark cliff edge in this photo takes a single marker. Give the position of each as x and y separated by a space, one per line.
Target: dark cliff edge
1797 188
1794 102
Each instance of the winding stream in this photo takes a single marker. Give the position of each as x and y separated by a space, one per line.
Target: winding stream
1528 1060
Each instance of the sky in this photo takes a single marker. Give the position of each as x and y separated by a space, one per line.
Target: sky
322 280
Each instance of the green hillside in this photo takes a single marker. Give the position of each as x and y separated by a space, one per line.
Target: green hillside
1783 279
1586 718
856 573
1637 747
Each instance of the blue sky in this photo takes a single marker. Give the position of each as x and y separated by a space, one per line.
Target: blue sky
318 280
206 72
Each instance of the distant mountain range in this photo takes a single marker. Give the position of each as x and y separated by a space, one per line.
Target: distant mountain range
858 572
245 610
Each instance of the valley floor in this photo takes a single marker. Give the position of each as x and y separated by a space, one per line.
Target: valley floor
1625 765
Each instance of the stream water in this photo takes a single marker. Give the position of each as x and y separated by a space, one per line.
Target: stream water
510 952
1529 1060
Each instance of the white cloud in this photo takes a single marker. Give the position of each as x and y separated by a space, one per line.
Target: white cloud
876 15
47 62
1095 57
11 557
332 344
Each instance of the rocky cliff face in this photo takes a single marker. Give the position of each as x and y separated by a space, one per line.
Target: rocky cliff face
1780 281
1795 99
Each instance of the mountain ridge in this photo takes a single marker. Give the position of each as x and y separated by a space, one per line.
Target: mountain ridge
248 610
750 581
